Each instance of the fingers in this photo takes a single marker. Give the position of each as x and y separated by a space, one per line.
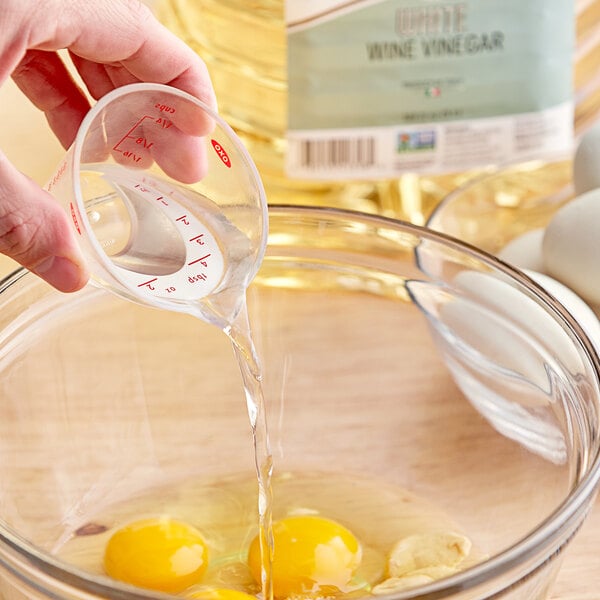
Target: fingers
112 43
125 37
45 80
146 126
94 75
35 232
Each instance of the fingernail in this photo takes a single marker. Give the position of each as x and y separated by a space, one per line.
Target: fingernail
62 273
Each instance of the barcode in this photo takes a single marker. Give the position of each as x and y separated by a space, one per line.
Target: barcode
339 153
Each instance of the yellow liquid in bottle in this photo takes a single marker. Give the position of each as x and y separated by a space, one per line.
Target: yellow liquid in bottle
244 45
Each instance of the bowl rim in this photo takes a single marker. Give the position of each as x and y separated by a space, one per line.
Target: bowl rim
534 546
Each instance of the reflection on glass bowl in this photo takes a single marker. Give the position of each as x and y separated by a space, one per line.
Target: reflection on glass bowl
504 203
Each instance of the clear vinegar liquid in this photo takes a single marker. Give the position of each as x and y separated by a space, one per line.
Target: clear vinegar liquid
243 345
152 251
230 307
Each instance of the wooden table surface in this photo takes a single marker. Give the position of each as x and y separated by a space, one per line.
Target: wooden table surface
28 143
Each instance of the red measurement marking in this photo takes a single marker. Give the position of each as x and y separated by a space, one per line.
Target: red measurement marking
183 219
164 108
143 141
162 200
148 283
129 136
61 171
201 260
198 239
132 155
221 153
74 217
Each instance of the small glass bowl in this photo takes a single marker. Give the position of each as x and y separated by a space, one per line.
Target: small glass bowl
504 203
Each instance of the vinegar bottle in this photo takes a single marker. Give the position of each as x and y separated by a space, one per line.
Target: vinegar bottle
246 44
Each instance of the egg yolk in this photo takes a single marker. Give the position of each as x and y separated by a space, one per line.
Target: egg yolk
311 555
161 554
220 594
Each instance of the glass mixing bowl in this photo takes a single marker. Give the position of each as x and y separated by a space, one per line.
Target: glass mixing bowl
394 358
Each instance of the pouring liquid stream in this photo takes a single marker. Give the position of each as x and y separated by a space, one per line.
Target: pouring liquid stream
241 338
156 253
229 311
171 213
239 332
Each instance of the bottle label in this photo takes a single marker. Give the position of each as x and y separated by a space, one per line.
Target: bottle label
378 88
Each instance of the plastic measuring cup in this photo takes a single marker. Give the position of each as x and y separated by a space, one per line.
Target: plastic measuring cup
166 203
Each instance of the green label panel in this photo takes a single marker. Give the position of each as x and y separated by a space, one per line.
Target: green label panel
407 62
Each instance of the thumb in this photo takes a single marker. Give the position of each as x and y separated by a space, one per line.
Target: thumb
34 231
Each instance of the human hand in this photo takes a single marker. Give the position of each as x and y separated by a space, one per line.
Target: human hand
111 43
